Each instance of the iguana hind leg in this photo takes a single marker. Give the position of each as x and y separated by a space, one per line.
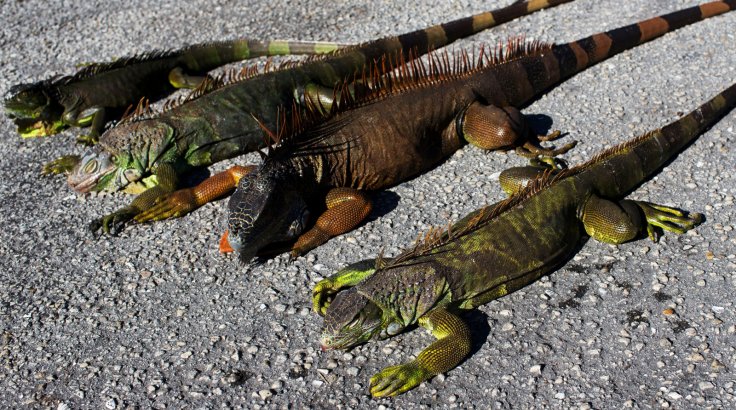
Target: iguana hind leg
618 222
451 347
516 178
179 79
492 128
346 208
183 201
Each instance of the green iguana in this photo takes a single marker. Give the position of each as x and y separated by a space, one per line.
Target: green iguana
501 248
220 124
408 124
100 92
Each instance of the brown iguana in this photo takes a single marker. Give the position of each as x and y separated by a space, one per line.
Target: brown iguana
219 124
100 92
314 184
501 248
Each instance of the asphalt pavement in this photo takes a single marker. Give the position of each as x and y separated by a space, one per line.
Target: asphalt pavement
156 318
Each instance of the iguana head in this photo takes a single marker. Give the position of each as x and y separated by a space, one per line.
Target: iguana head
124 155
350 320
34 110
265 209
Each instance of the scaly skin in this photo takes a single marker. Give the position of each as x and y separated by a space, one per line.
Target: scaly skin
99 93
501 248
424 120
220 124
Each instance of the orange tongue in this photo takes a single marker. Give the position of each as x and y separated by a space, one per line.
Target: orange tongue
224 244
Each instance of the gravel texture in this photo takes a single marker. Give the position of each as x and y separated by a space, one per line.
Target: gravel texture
156 318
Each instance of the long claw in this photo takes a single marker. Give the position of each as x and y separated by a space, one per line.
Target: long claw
529 150
670 219
551 136
112 224
395 380
175 205
322 295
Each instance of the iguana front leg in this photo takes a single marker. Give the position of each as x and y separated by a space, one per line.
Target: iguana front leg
492 128
346 208
452 346
183 201
347 277
61 165
179 79
114 222
94 117
618 222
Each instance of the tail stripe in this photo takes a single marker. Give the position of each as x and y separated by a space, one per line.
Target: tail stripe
574 57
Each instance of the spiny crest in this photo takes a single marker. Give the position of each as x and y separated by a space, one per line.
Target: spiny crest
436 237
142 109
213 83
392 74
92 69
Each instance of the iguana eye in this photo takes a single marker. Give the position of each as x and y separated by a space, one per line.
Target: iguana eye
90 167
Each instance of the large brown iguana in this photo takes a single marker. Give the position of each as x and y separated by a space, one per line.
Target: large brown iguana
314 185
501 248
101 92
220 124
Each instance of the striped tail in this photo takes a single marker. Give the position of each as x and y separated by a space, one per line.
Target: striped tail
440 35
578 55
208 56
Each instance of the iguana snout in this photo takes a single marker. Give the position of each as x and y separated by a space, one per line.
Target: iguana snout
33 111
350 320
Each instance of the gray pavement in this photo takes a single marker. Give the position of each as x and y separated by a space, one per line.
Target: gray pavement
156 318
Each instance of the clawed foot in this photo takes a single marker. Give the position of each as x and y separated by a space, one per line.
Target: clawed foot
323 294
61 165
667 218
395 380
176 204
87 140
114 223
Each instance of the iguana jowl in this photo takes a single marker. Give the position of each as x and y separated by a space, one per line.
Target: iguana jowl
403 130
220 124
101 92
500 248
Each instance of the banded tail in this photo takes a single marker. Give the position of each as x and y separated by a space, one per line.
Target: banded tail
635 160
207 56
576 56
424 40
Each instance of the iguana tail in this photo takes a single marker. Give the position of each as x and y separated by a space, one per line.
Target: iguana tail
635 160
440 35
207 56
578 55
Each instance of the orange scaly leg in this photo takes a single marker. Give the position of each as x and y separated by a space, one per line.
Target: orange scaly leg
346 208
183 201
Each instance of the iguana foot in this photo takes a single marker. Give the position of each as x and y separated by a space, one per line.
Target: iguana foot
61 165
87 140
323 294
178 203
113 223
529 150
395 380
670 219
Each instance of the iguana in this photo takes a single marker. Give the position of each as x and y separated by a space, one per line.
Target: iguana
501 248
100 92
408 124
220 124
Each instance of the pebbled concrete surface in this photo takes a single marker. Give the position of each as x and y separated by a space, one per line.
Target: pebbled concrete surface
157 318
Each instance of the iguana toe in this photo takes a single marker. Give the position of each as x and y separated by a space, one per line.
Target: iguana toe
61 165
395 380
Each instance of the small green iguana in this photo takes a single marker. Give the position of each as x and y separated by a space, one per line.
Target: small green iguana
501 248
317 178
220 124
100 92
